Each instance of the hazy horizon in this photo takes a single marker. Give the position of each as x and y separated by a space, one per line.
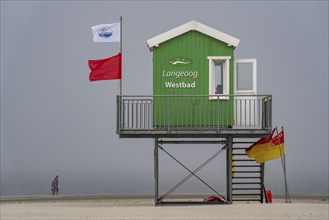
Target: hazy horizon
55 122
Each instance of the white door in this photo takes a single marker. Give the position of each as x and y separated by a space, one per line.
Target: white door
246 103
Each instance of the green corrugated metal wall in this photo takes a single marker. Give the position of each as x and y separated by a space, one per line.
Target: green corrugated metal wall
194 47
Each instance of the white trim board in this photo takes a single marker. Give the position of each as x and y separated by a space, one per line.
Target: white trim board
190 26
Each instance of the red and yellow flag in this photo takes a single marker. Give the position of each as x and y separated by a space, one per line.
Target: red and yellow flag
267 148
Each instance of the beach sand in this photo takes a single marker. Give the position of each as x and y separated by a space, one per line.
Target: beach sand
139 207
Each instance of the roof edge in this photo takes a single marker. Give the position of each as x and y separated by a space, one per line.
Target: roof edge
190 26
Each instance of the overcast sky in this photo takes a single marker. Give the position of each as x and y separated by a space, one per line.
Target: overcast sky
54 121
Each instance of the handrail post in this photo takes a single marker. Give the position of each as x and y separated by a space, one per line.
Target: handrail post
267 114
169 116
264 113
270 112
118 131
218 114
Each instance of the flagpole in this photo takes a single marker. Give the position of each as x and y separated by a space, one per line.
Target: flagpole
121 54
283 167
282 162
285 171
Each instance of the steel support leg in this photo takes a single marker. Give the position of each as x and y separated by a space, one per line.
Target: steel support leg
229 170
262 174
156 171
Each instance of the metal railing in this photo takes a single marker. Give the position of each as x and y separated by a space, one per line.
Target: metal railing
194 112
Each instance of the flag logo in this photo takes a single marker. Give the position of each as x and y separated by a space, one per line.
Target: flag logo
105 32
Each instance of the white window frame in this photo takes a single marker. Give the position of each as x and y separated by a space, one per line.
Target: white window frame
246 103
226 76
253 91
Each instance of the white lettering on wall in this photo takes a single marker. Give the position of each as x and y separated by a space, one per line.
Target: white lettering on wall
179 85
180 74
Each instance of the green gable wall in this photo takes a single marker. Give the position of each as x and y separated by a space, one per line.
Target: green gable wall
197 47
194 47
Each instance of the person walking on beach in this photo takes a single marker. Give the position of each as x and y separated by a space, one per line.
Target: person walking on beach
54 186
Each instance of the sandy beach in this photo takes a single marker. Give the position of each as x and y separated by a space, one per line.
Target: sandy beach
101 207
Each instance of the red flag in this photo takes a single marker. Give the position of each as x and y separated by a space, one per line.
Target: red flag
105 69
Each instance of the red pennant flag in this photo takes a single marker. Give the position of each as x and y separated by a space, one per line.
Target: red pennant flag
105 69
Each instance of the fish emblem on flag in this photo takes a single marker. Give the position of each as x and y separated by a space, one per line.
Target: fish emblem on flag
105 32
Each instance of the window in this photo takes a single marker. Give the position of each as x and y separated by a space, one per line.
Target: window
219 72
245 76
218 77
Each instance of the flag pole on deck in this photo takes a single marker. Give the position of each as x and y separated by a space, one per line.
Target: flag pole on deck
121 55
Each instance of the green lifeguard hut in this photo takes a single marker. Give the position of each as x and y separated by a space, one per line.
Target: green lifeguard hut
193 59
202 92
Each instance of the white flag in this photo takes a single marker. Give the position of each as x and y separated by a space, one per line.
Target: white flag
106 32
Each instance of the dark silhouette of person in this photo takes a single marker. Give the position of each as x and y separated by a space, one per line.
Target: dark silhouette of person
54 186
219 89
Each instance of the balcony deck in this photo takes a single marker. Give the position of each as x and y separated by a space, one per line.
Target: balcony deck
197 116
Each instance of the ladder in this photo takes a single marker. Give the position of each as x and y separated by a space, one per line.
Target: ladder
247 177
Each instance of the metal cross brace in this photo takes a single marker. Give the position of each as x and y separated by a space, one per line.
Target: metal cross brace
192 173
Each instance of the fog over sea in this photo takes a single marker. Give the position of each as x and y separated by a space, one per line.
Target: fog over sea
98 184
